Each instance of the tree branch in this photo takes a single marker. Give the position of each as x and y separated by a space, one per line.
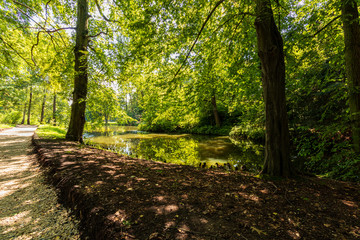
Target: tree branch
321 29
101 13
51 38
26 6
236 27
7 44
197 37
46 11
232 17
59 29
33 46
96 35
42 27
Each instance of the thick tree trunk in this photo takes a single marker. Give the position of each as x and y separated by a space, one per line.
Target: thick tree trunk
54 110
29 109
77 119
350 17
43 109
270 50
215 111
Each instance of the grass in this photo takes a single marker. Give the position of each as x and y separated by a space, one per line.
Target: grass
2 126
51 132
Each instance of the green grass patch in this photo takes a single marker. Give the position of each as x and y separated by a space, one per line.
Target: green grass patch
2 126
51 132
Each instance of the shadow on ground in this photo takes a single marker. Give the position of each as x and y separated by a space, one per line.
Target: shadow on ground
119 197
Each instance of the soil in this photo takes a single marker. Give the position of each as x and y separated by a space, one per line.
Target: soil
119 197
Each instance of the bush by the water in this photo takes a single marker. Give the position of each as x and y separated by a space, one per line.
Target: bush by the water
248 131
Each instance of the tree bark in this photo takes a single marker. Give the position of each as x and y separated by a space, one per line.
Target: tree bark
29 109
54 110
351 26
270 51
215 111
77 119
106 118
24 113
43 108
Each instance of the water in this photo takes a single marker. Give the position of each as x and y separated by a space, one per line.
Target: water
189 149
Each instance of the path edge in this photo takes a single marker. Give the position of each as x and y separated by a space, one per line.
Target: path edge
71 195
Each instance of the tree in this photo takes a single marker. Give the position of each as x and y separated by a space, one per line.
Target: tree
29 107
77 119
102 103
54 110
350 17
270 50
43 108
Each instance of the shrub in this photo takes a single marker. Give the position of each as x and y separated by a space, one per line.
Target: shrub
248 131
326 152
12 117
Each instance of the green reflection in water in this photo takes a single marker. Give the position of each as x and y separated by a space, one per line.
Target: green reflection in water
195 150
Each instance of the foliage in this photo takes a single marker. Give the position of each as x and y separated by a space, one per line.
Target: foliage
3 126
50 132
141 70
248 130
13 117
327 152
124 120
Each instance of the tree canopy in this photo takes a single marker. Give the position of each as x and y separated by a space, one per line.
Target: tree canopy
196 66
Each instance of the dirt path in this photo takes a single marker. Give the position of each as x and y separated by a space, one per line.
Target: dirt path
28 206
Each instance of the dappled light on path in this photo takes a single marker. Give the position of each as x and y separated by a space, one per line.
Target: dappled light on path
28 206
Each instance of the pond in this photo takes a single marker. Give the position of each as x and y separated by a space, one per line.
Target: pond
189 149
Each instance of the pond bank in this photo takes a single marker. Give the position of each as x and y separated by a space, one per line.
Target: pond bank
118 197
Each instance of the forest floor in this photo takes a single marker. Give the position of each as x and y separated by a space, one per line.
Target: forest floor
28 205
118 197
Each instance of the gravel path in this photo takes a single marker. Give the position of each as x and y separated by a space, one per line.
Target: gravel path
28 206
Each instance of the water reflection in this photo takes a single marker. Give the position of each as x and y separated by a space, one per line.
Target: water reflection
196 150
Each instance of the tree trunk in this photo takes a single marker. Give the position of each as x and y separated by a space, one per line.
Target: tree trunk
54 110
350 17
24 113
130 104
106 118
29 109
270 51
77 119
215 111
43 109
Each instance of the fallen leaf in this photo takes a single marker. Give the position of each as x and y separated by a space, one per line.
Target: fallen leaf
153 235
254 229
